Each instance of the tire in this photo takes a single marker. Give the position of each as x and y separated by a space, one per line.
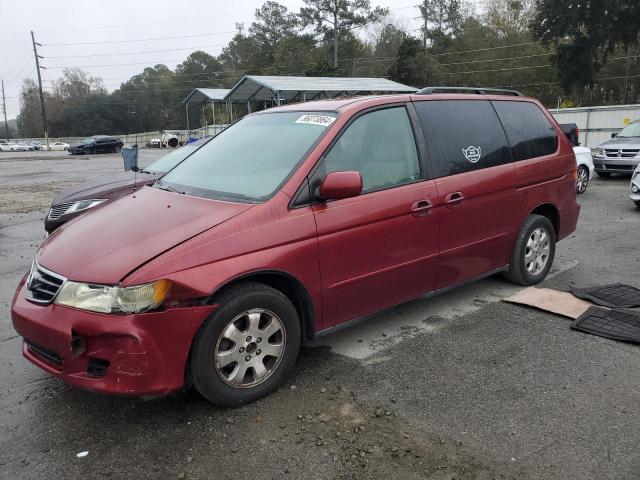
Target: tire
520 270
637 202
604 174
117 149
582 182
215 356
66 149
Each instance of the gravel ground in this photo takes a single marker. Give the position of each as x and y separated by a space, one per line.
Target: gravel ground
461 386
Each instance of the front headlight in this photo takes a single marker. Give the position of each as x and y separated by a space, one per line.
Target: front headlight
598 152
111 299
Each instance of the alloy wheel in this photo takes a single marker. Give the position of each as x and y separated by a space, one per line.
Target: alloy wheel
537 252
582 180
250 348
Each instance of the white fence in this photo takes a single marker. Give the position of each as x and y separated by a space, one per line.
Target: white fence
596 124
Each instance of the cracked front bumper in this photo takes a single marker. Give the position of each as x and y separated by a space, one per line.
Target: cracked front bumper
140 354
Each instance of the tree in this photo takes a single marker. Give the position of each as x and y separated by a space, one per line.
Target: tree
335 18
509 18
273 23
29 119
585 35
442 19
75 85
411 66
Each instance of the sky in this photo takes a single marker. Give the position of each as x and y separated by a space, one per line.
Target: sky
101 35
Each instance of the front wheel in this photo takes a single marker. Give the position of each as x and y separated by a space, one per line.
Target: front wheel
604 174
534 251
247 347
582 182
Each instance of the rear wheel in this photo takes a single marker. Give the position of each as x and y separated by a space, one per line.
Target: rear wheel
534 251
582 182
247 347
604 174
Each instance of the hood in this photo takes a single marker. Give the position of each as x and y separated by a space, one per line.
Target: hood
103 187
622 142
77 145
105 245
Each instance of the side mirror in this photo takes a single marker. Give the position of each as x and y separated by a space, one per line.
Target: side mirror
614 134
337 185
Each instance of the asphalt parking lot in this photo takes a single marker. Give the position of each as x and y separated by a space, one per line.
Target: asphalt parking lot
461 386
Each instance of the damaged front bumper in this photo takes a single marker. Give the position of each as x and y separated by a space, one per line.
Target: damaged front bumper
140 354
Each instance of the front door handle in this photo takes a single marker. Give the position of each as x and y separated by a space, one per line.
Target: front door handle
421 208
454 200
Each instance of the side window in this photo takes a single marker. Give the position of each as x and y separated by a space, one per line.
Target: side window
380 145
529 131
462 135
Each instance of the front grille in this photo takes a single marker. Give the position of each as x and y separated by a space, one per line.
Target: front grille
56 211
621 152
43 353
43 285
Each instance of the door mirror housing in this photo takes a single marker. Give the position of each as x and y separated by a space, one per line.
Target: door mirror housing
614 134
337 185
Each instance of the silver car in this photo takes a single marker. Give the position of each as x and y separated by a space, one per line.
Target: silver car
621 154
635 187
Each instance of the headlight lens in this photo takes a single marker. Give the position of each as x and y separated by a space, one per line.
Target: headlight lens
598 152
111 299
84 205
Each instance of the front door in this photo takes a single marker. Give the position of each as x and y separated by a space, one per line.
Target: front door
471 161
380 248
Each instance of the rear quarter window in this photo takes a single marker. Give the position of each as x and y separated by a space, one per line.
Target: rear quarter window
462 136
528 129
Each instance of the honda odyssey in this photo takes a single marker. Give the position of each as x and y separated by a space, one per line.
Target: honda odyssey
291 222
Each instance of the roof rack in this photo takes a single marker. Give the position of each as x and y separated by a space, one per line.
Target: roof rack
476 90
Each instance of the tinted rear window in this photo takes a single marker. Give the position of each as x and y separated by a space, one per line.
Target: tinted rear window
529 131
462 135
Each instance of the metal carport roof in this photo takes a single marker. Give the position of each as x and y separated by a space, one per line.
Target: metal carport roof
265 88
199 95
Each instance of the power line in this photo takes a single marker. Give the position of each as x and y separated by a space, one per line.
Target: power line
111 42
495 59
138 52
496 70
172 22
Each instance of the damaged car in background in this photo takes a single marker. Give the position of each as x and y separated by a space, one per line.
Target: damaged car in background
79 199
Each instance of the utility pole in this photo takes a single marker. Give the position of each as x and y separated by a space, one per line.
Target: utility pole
38 67
240 28
4 108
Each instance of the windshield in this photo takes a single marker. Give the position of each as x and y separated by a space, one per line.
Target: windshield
250 159
166 163
87 141
632 130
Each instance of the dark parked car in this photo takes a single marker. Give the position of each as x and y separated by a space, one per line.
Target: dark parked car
290 222
77 200
96 144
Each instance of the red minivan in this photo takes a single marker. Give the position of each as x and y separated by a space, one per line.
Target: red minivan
291 222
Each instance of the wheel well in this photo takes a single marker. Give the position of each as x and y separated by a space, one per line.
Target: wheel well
291 288
551 212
